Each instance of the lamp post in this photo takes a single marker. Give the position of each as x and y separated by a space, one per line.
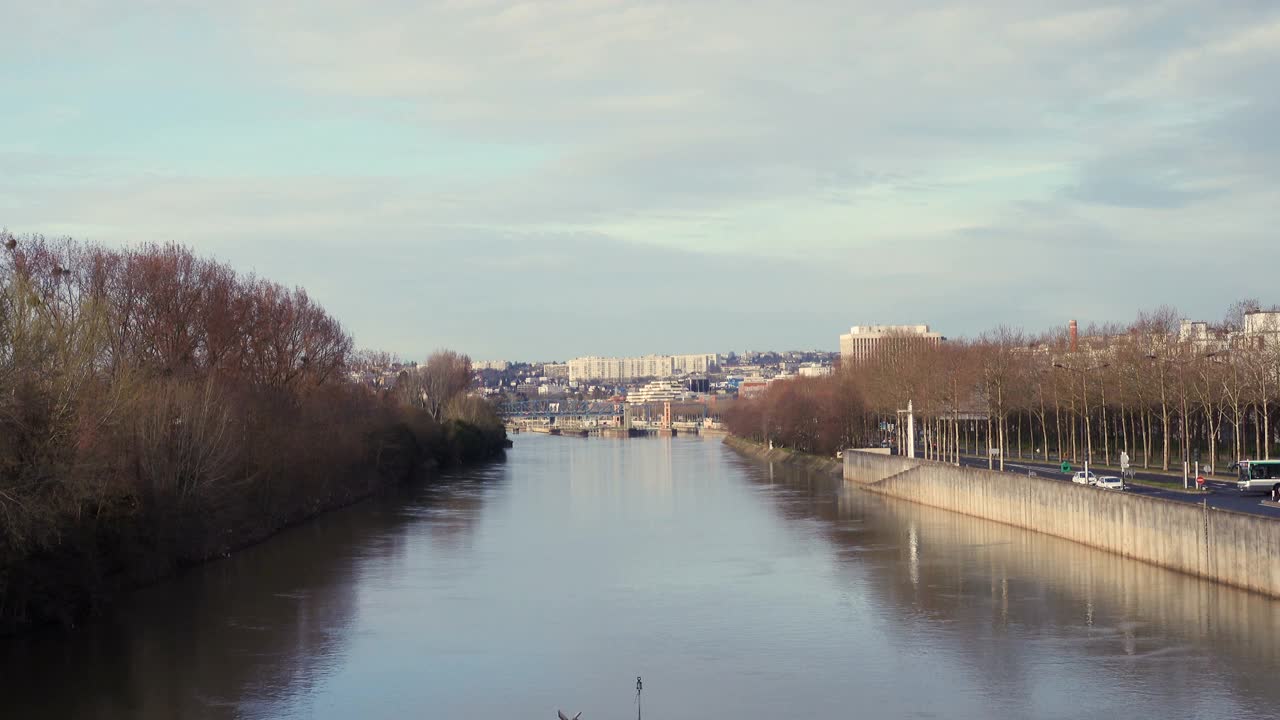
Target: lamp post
1084 384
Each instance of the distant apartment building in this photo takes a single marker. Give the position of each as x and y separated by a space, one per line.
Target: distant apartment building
499 365
863 342
648 366
553 371
813 370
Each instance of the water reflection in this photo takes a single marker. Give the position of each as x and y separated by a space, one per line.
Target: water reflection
1014 601
737 589
235 637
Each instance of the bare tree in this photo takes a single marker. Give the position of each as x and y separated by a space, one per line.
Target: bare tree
445 375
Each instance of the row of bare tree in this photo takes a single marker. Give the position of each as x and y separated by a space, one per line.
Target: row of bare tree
1145 388
158 408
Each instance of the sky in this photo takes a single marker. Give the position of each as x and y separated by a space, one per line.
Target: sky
545 180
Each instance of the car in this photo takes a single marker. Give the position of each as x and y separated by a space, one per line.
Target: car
1109 482
1084 477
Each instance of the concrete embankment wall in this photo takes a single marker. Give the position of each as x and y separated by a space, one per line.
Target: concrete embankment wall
1233 548
784 456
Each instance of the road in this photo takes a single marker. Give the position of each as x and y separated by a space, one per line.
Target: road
1222 493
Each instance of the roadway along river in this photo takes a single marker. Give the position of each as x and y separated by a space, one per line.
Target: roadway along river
738 590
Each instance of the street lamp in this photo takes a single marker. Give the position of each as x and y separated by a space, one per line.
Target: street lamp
1084 383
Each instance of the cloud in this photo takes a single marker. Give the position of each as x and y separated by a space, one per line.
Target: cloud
746 168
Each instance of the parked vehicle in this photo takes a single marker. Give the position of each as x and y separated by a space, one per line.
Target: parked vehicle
1084 477
1257 475
1109 482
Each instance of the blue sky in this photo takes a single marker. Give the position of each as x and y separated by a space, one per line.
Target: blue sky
569 177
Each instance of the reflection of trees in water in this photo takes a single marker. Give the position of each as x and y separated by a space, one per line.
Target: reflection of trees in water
451 508
976 581
223 640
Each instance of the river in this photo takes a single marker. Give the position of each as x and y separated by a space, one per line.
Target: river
736 589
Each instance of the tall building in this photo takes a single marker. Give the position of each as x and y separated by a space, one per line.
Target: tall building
863 341
1261 329
648 366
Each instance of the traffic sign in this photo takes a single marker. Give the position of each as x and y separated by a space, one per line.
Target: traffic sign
1124 460
1066 466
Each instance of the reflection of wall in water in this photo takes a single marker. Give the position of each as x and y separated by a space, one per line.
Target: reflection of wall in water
1057 583
983 580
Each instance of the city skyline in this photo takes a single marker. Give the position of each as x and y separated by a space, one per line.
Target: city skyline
615 179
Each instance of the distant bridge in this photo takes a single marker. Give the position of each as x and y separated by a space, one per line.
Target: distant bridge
592 416
593 409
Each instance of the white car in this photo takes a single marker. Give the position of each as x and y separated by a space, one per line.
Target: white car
1109 482
1084 477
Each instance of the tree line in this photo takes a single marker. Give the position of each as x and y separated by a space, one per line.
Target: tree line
158 408
1149 388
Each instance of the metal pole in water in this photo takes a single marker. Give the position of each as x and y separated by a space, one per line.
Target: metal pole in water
639 687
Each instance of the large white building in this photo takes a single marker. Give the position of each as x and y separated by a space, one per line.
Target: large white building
1261 329
862 342
632 368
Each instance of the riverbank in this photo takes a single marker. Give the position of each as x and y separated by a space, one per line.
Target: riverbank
100 559
784 456
1219 545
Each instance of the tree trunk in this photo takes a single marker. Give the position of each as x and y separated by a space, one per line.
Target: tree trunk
1002 443
1146 439
1164 430
1124 430
956 430
1057 421
1266 431
990 464
1106 439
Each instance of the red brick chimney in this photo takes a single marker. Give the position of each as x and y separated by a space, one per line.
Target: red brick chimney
1075 336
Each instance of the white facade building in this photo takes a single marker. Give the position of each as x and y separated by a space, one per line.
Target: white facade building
648 366
862 342
813 370
1262 321
1261 329
658 391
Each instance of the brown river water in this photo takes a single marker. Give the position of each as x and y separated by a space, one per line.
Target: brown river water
736 589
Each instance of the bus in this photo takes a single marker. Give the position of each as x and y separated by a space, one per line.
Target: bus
1258 476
